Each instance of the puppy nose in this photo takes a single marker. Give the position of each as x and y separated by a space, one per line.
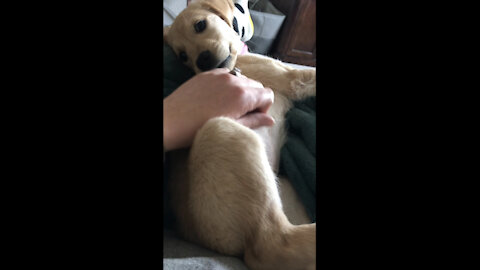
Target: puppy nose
205 61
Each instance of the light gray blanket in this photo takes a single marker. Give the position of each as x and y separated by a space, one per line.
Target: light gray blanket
179 254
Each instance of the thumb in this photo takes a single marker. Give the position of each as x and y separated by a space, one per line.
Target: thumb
255 120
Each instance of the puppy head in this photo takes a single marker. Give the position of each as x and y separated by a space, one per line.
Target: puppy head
202 35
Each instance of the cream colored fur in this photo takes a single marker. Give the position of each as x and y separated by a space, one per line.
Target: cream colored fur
224 189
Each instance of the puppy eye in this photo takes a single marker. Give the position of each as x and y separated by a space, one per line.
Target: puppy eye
200 26
183 56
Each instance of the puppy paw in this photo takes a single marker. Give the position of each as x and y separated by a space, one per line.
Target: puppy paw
305 84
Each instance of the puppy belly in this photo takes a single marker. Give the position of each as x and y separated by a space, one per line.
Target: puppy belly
274 137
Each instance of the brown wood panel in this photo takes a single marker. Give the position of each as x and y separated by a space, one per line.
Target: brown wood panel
296 42
303 42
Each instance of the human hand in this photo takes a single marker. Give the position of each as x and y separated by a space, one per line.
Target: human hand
211 94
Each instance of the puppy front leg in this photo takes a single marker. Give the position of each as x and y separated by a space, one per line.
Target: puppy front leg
296 84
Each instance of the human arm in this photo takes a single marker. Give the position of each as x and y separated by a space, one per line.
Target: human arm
210 94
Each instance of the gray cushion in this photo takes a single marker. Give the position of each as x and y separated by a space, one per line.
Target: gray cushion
267 21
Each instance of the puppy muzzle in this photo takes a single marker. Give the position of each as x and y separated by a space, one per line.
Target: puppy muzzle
207 61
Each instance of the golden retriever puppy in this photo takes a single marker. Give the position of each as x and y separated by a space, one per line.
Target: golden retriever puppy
224 188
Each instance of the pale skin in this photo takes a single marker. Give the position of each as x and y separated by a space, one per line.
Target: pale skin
211 94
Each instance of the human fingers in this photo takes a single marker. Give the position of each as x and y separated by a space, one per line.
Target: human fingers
256 119
217 71
263 98
251 83
238 79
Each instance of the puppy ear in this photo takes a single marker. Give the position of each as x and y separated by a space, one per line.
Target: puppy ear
223 8
166 29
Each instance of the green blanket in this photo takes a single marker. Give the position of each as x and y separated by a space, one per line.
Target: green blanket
174 71
298 155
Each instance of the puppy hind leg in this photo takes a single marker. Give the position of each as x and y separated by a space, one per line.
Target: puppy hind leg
231 186
294 248
234 202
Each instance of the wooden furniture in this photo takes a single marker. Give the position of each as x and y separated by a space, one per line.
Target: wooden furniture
297 41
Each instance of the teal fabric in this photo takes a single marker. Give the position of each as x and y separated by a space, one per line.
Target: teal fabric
298 155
